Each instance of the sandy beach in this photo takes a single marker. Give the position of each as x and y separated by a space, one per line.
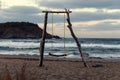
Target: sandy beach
27 68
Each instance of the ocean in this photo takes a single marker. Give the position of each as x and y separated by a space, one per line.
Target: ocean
91 47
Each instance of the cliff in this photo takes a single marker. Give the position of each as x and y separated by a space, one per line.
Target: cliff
21 30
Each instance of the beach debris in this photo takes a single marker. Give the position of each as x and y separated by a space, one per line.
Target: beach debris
97 65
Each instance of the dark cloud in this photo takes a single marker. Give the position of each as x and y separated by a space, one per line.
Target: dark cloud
104 26
23 10
80 3
89 16
25 13
85 16
21 13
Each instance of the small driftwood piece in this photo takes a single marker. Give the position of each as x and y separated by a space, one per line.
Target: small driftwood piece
75 38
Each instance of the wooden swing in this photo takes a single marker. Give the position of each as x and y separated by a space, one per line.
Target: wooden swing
42 44
57 54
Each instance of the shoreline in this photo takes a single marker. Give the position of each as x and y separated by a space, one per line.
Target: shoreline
34 57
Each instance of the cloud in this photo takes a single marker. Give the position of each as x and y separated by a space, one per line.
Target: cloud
88 16
20 13
103 29
103 26
86 10
23 10
115 4
85 16
31 14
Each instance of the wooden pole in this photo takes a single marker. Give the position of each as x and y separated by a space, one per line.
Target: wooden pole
75 38
43 40
56 11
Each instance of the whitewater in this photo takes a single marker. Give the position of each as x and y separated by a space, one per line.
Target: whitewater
91 47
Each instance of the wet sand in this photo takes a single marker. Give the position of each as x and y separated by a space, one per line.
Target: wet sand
60 68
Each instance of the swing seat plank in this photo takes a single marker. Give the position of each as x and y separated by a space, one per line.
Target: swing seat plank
57 54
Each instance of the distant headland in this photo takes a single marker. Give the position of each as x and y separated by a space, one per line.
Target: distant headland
22 30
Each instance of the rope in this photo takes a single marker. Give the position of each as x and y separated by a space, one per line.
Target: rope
64 32
52 32
52 26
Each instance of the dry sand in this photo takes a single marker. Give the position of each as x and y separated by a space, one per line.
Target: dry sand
61 69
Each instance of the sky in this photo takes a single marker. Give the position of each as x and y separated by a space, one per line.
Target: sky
90 18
